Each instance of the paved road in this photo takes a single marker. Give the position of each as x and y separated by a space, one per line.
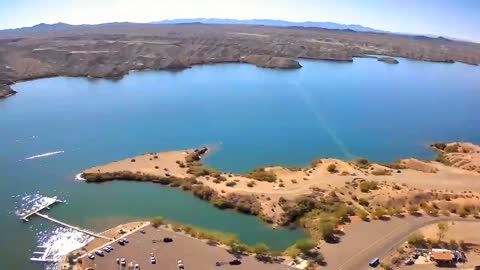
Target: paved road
366 240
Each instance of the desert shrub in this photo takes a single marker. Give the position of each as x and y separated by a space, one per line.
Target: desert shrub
363 215
363 202
315 163
366 186
281 185
156 221
203 171
222 203
362 163
440 146
379 212
416 239
250 184
462 212
332 168
413 209
230 183
132 160
452 148
261 174
294 181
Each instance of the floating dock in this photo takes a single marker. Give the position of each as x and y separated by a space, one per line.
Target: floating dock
43 252
45 203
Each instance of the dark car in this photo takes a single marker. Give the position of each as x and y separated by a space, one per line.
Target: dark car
235 262
477 267
167 239
375 262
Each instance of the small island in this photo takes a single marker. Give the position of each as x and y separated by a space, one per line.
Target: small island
6 91
388 60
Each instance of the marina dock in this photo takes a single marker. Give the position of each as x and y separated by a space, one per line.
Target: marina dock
45 204
41 253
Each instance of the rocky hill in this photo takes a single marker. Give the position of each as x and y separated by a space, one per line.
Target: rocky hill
112 50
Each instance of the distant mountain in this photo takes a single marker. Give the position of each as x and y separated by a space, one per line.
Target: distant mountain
326 25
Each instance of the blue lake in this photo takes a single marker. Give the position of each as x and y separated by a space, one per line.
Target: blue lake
254 117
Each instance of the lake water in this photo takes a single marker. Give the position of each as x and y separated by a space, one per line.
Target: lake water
254 117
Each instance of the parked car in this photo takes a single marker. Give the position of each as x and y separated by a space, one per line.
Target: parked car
180 264
409 262
91 256
136 267
374 263
110 247
125 240
106 249
121 242
99 252
123 262
167 239
235 262
153 260
476 267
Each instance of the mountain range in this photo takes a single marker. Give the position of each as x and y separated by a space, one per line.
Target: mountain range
280 23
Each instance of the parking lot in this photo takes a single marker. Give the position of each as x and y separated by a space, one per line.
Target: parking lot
194 253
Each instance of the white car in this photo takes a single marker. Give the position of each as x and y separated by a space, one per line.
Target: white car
123 262
136 267
180 264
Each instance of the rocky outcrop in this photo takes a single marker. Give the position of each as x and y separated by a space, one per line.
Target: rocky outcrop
6 91
389 60
460 155
267 61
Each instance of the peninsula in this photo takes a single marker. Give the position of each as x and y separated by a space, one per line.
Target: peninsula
284 195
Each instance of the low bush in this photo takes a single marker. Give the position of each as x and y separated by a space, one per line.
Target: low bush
156 221
332 168
366 186
230 183
261 174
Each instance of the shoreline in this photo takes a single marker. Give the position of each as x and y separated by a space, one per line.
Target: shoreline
390 59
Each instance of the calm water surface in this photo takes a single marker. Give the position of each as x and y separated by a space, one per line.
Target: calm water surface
254 116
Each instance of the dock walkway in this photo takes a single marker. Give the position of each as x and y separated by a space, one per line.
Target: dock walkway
73 227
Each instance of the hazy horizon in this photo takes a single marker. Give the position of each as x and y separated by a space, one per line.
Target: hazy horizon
456 19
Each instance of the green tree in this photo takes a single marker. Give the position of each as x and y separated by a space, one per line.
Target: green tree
292 252
260 249
327 230
156 221
305 245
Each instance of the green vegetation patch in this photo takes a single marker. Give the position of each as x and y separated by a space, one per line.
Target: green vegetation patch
261 174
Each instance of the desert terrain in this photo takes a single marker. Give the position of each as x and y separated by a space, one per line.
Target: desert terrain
112 50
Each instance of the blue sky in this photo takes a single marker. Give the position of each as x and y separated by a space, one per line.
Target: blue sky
452 18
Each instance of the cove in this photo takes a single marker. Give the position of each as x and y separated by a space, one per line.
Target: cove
254 117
